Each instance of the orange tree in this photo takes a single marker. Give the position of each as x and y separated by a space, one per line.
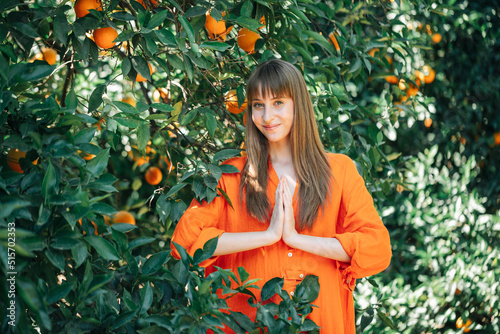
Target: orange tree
150 90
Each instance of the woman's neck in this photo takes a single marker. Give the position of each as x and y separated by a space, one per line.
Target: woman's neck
281 153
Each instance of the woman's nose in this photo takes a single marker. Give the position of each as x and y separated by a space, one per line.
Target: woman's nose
268 115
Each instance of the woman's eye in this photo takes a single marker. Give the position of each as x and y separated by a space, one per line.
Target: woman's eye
257 105
278 103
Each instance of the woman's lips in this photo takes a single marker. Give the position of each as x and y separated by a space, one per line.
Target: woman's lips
270 127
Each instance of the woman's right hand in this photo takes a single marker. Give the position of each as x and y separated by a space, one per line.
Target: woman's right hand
275 228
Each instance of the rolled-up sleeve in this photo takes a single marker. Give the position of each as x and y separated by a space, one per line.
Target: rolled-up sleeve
199 224
360 230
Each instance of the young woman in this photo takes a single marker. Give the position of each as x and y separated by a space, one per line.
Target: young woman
297 209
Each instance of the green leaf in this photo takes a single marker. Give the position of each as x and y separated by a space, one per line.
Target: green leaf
218 46
49 182
320 39
308 290
299 13
79 253
123 318
176 188
99 281
141 66
226 154
158 19
155 262
95 99
166 37
226 168
162 107
143 136
84 136
61 27
146 297
140 242
271 287
97 165
243 274
163 208
128 122
103 209
188 28
103 247
195 11
125 107
59 292
71 101
347 139
175 61
122 16
385 319
207 252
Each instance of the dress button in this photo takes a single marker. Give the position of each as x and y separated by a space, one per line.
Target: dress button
292 293
301 275
290 254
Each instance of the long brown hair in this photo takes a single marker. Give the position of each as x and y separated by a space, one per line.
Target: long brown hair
282 79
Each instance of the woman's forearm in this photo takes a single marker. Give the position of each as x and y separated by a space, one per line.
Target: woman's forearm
327 247
230 243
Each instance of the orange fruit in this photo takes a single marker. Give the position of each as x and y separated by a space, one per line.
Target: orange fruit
429 74
333 40
392 79
82 7
247 40
372 51
263 21
245 119
153 175
496 135
140 78
413 90
243 153
153 3
161 93
49 55
104 37
428 122
13 159
124 217
221 37
130 100
436 38
402 84
232 102
142 160
215 27
95 226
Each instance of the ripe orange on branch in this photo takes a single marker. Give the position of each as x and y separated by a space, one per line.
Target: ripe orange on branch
232 102
82 7
213 26
104 37
153 175
392 79
124 217
49 55
427 74
247 40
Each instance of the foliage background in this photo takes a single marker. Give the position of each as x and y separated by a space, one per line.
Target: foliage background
437 188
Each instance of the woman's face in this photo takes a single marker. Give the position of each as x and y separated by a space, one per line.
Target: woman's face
273 116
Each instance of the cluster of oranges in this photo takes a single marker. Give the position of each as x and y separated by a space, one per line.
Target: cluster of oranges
246 37
153 174
103 37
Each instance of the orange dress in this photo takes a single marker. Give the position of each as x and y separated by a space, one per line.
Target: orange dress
350 217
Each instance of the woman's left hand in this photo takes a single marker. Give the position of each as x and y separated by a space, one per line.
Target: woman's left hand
289 230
